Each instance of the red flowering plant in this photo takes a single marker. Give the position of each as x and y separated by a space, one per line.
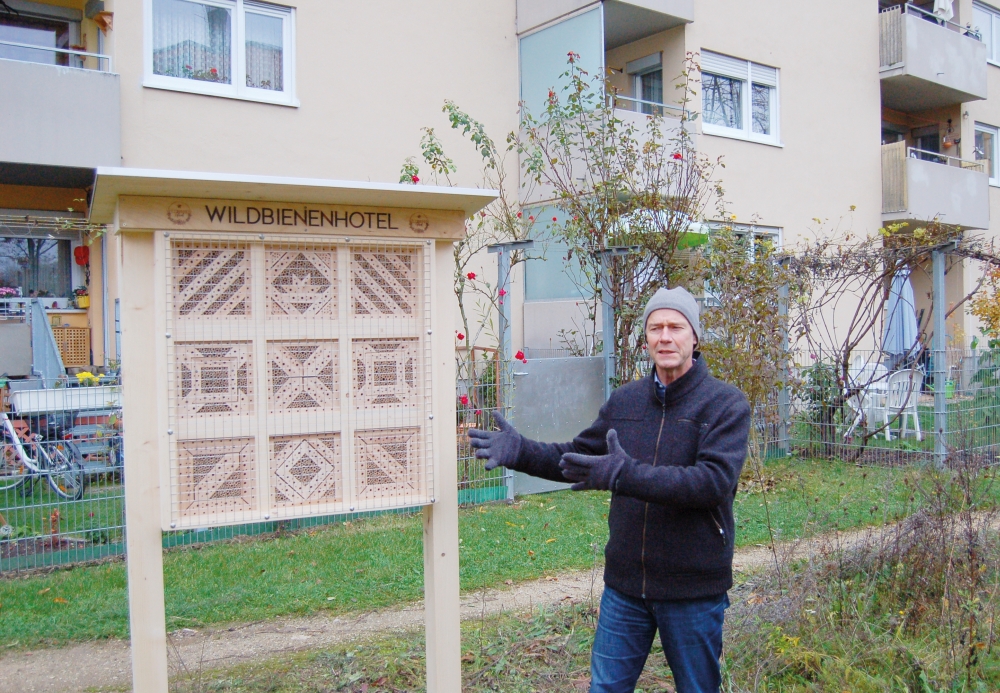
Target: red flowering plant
211 74
628 195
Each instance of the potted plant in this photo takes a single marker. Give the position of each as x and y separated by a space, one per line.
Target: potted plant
82 297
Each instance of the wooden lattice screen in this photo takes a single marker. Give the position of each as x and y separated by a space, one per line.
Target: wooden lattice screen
298 376
74 345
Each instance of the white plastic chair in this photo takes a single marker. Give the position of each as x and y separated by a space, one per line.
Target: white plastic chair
900 400
867 380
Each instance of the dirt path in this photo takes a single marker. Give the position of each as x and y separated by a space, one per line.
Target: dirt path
105 664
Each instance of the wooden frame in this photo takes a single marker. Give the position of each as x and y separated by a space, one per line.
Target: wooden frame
156 350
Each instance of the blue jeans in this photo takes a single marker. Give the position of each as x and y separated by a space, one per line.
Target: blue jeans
690 630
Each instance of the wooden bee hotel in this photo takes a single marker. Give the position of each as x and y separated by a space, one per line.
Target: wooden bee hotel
286 352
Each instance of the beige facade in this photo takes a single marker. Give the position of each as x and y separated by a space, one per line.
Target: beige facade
361 80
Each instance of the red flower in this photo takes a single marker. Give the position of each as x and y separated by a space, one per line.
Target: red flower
524 360
502 292
214 71
530 218
464 399
188 67
555 218
518 215
471 275
415 178
677 155
478 412
460 336
519 355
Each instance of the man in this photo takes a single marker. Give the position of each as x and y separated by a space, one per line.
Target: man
670 448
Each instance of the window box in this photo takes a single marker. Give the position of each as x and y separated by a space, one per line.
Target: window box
231 48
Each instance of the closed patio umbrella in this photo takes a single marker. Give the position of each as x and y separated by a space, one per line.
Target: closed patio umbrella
899 336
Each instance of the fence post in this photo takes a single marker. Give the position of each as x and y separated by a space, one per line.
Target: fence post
506 347
938 351
784 396
608 314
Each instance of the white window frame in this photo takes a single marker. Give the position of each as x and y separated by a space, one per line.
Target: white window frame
994 17
993 130
743 70
238 89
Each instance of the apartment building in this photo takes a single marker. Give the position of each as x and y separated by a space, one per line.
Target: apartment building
817 110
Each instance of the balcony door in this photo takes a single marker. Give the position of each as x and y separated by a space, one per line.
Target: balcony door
31 29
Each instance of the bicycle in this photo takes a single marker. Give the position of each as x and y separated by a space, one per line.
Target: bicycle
57 461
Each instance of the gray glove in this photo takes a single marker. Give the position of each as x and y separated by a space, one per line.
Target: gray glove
596 472
498 448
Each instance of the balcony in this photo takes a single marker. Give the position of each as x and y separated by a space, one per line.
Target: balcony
925 64
60 116
624 20
921 186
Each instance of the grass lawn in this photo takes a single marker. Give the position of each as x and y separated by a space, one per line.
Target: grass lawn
377 562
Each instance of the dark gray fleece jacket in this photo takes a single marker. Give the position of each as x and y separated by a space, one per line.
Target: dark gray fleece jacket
671 516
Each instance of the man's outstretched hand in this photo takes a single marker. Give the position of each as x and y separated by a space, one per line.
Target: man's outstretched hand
498 448
595 472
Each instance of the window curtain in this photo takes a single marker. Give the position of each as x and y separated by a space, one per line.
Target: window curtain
192 40
264 51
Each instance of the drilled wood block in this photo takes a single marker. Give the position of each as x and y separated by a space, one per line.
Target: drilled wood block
216 476
211 280
214 378
303 375
385 372
306 469
388 464
384 281
301 282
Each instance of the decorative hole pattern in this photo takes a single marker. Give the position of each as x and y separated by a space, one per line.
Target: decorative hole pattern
211 280
216 476
306 469
385 372
269 338
214 378
384 281
388 463
301 283
303 375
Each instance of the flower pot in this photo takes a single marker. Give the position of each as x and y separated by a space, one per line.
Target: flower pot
83 301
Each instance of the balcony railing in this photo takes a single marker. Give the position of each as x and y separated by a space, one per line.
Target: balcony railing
77 59
921 185
891 31
625 103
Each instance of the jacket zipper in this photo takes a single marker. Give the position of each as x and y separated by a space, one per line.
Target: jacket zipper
722 532
645 512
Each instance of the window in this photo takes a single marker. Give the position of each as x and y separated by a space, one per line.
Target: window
986 150
37 266
235 48
42 26
647 82
986 20
739 98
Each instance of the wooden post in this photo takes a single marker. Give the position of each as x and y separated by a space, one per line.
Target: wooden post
441 585
143 543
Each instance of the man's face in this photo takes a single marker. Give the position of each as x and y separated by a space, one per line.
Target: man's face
670 340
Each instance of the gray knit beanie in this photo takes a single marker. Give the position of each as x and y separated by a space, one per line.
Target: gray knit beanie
679 299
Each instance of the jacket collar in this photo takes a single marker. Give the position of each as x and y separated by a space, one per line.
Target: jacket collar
680 387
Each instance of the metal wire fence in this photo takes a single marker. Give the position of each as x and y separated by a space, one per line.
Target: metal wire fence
61 482
46 521
881 409
61 493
